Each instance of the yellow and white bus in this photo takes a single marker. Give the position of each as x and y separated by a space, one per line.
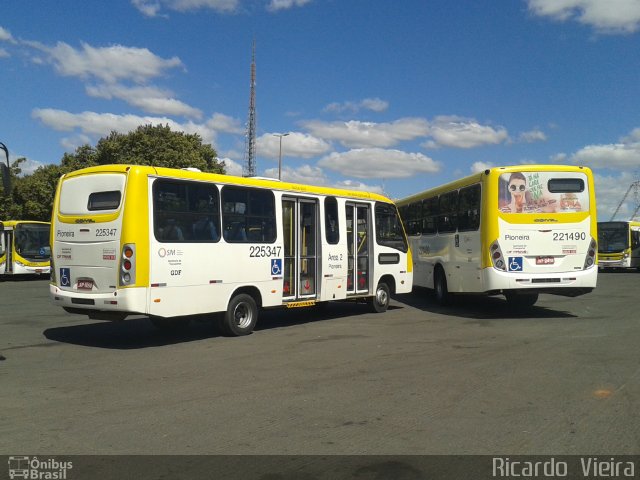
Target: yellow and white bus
517 231
171 243
24 247
618 245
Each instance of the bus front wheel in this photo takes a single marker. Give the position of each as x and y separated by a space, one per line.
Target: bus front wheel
241 316
380 301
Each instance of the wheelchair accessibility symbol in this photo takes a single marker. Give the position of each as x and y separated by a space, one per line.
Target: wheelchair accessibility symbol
276 266
65 277
515 264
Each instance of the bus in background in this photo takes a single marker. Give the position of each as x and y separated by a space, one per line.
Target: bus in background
171 243
618 245
24 247
517 231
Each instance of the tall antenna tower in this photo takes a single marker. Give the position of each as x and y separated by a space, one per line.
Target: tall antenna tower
635 186
249 168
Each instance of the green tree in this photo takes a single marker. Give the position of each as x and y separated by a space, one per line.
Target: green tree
159 146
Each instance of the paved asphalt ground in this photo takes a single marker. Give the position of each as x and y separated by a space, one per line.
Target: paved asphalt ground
475 378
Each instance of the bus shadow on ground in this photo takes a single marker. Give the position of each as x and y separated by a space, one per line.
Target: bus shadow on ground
480 307
137 333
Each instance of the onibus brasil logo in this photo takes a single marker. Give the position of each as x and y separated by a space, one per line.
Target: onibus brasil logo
36 469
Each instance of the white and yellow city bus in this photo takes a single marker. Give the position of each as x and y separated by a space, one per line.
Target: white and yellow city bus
171 243
618 245
517 231
24 247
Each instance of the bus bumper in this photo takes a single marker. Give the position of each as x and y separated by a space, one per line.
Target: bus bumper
565 284
123 302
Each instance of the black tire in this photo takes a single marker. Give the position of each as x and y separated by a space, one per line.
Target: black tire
380 301
521 301
171 324
440 288
241 316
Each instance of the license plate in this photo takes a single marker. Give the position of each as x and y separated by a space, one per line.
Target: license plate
545 260
85 284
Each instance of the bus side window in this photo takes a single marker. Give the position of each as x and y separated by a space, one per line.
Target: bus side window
248 215
430 216
448 212
469 209
331 225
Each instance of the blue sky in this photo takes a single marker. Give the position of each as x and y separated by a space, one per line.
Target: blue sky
388 96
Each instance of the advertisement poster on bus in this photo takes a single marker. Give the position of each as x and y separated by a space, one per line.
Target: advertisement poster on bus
543 192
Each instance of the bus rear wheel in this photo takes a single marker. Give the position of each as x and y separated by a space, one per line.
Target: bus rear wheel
241 316
440 287
380 301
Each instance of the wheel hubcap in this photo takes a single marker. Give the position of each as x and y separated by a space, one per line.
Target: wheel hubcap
242 315
381 297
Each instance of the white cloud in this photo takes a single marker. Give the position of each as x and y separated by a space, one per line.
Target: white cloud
305 174
71 143
224 123
231 167
295 144
379 163
29 166
149 99
478 167
355 185
354 134
5 36
109 64
373 104
532 136
275 5
151 8
101 124
615 155
457 132
4 53
610 16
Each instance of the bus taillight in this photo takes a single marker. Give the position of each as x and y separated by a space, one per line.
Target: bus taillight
496 256
128 265
591 254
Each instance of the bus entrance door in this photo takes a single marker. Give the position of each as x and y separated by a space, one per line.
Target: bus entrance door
358 233
300 230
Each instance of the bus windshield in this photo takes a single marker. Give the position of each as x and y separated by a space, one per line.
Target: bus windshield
32 241
612 237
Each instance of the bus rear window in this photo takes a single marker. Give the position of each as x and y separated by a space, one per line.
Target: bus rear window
86 194
104 200
565 185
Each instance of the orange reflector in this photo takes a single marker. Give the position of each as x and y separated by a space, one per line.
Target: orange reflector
128 252
156 300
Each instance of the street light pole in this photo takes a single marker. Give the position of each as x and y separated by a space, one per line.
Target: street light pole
280 155
6 171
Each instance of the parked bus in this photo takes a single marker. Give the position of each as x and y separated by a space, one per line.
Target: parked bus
619 245
171 243
24 247
517 231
